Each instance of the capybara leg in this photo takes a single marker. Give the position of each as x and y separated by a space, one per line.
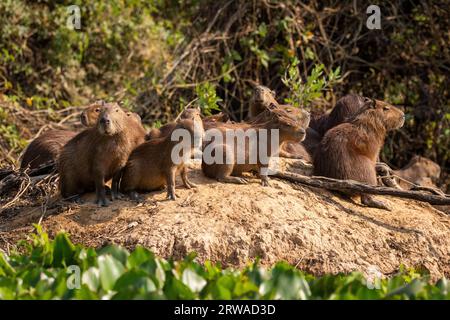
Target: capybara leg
371 202
75 198
263 176
115 193
171 184
230 179
101 192
187 183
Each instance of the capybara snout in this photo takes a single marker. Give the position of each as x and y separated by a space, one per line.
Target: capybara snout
111 119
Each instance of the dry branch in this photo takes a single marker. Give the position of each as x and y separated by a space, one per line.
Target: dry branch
358 187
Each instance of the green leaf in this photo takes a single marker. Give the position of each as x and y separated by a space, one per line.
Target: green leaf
110 270
5 267
63 251
139 256
117 252
91 278
195 282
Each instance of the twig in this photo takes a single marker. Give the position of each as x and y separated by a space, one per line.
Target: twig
358 187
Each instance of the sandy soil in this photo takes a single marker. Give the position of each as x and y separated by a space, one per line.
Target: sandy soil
233 224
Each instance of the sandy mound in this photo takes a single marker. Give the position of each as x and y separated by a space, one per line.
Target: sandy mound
232 224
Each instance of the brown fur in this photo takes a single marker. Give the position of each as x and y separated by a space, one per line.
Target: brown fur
189 114
150 166
344 109
290 128
420 171
350 150
261 98
264 97
98 154
45 149
90 114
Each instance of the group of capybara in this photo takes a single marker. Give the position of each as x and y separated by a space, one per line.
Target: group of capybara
342 144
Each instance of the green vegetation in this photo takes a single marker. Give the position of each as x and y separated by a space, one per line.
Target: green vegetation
44 270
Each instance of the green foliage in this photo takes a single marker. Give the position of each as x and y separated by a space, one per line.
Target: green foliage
207 98
46 271
9 132
303 92
41 57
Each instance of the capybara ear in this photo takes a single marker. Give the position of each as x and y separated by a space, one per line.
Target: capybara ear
369 102
272 106
274 94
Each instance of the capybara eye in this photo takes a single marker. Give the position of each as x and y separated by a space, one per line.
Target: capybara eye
385 108
117 110
97 110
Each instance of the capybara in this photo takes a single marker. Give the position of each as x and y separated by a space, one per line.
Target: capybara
234 159
153 164
420 171
90 114
193 114
262 98
98 154
350 150
45 148
344 109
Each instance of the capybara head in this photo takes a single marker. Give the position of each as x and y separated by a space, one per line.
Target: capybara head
299 114
380 115
112 119
195 132
291 128
135 117
344 109
194 114
90 114
191 113
263 95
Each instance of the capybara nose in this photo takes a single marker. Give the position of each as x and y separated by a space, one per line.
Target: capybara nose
105 120
302 131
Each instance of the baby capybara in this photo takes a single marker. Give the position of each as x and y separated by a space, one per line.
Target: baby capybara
155 163
230 166
350 150
193 114
98 154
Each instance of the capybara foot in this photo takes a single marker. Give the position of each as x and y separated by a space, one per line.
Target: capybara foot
265 182
237 180
136 197
190 185
116 196
371 202
171 196
75 199
102 202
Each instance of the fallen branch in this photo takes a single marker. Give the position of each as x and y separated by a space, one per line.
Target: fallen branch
358 187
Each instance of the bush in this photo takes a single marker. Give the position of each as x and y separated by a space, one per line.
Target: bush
48 269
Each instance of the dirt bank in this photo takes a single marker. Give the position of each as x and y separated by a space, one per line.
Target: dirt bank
233 224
